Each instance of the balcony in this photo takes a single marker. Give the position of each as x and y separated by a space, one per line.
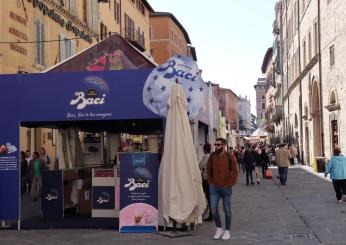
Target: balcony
134 37
277 114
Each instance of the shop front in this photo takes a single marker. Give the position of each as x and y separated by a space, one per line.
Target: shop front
90 111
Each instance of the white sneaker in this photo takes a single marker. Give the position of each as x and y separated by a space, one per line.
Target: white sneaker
226 235
218 233
343 198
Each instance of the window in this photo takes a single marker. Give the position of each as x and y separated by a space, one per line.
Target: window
263 106
67 48
40 37
304 54
129 27
332 55
103 31
315 37
140 6
263 97
309 47
117 12
329 1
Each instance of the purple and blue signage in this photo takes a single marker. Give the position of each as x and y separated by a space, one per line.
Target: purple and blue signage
52 197
138 192
9 148
61 97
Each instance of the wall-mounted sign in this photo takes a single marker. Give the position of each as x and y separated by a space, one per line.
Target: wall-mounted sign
18 49
18 33
18 18
58 19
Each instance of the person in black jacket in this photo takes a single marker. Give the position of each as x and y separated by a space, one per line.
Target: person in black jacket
264 159
248 163
23 172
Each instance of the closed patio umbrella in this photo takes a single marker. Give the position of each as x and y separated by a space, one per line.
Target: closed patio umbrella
181 195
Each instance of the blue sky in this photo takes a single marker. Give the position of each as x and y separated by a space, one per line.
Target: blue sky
230 37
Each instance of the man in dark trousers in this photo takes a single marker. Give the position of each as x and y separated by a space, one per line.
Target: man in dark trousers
222 173
248 162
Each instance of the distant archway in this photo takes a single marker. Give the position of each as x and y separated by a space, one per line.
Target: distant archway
316 119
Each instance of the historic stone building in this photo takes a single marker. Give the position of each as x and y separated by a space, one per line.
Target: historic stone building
312 47
261 90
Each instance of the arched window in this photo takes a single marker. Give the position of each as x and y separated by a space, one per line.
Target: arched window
332 99
306 110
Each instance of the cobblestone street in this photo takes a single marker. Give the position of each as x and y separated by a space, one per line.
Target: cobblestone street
304 211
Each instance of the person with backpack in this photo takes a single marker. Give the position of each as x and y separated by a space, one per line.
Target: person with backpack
222 173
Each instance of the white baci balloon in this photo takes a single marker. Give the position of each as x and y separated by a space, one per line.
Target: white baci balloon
157 88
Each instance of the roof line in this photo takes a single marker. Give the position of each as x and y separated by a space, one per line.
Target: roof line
176 21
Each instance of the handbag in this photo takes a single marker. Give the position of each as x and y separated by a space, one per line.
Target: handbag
268 174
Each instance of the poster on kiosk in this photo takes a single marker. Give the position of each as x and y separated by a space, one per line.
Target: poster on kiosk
138 193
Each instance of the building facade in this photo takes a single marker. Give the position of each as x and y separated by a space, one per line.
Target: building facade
312 47
244 109
261 90
42 33
168 38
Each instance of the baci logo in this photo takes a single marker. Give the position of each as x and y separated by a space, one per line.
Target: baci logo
91 97
133 184
103 198
52 195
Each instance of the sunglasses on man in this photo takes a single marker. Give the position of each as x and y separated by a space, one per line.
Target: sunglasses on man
216 144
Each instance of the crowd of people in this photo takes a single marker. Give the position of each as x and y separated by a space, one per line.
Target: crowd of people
220 171
31 166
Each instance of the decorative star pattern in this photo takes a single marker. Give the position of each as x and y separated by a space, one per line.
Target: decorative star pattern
158 88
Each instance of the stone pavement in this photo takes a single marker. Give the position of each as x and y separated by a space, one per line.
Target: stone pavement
304 211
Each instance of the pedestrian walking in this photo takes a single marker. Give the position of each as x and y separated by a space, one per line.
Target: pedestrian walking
23 172
222 173
204 175
256 162
36 165
336 167
248 162
292 154
282 160
44 156
264 160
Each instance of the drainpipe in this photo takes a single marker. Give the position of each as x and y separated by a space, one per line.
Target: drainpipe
320 72
121 15
300 94
283 95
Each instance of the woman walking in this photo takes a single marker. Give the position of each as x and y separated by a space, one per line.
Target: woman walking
336 167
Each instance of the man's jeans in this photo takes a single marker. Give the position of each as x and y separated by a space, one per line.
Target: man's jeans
215 194
283 175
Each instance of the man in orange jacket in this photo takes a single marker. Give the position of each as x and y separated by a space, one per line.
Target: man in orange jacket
222 172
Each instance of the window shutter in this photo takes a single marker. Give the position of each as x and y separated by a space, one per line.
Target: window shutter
73 47
62 47
73 7
95 15
40 45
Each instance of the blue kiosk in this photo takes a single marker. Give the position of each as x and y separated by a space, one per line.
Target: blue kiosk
106 100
